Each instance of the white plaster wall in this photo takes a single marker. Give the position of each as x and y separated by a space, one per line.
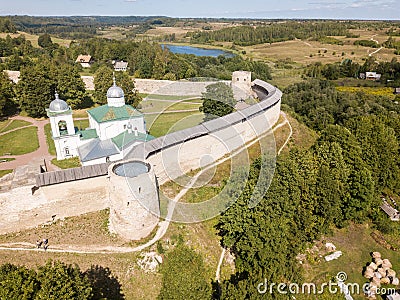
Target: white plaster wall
108 130
71 142
67 118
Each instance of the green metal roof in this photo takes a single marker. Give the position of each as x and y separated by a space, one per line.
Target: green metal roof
107 113
124 139
88 134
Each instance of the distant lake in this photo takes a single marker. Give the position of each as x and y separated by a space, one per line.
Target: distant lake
197 51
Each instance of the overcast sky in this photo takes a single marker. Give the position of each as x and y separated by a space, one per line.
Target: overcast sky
321 9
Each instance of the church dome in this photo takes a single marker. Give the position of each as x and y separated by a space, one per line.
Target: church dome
115 91
58 105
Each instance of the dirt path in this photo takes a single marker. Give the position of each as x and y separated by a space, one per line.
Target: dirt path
376 51
37 156
162 226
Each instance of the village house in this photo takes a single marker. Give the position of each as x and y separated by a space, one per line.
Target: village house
370 76
85 60
120 65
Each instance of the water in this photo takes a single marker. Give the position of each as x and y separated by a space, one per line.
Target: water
197 51
131 169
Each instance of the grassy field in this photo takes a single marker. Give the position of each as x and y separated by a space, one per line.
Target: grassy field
34 38
306 52
19 142
377 91
356 244
171 97
159 125
12 124
151 106
82 124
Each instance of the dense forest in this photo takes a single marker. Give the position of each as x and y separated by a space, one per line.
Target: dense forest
274 32
337 181
56 280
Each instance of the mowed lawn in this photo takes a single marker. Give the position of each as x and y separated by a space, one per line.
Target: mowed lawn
19 142
153 106
160 125
8 125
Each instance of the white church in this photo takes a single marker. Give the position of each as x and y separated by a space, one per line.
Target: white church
114 129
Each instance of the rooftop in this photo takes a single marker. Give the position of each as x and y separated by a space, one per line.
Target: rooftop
97 149
107 113
127 138
83 58
87 134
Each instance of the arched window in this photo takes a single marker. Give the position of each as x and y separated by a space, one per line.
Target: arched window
66 150
62 128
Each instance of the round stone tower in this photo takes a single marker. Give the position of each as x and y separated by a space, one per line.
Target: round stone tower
134 201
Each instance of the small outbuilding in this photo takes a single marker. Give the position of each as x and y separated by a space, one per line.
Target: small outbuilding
85 60
120 66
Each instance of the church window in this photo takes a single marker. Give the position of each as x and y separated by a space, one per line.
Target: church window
66 150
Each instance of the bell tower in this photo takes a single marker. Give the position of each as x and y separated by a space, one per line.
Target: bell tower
62 128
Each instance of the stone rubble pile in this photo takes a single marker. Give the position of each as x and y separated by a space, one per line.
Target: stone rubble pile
379 272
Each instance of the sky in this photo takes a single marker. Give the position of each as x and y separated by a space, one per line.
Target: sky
268 9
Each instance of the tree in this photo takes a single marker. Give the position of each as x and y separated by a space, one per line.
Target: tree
7 104
126 83
103 80
59 281
69 85
218 101
45 41
17 282
184 275
35 89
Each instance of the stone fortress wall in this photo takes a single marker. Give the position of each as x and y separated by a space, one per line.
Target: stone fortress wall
168 157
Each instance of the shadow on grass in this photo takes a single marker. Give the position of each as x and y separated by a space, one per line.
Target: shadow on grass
105 286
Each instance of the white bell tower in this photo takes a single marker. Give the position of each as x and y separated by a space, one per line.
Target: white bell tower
63 129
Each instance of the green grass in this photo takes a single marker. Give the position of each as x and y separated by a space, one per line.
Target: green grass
356 244
82 124
49 139
66 163
150 106
5 172
12 124
170 97
19 142
159 125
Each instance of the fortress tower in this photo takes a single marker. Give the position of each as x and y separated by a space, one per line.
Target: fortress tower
242 80
134 200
